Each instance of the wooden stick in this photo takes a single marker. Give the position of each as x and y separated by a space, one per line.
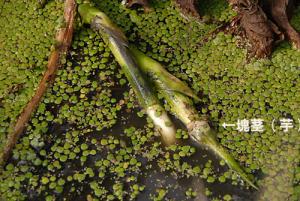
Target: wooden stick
64 39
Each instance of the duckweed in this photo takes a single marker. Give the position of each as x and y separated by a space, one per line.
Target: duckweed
70 144
231 87
24 52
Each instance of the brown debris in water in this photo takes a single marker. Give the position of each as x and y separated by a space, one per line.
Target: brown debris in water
143 3
188 7
260 30
281 11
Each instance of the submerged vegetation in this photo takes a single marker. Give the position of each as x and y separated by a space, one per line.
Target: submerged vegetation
90 140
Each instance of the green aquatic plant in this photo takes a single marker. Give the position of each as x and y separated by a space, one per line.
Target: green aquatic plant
183 108
62 42
119 46
24 52
173 90
230 87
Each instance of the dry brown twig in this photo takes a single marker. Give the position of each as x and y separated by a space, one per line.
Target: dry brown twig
63 39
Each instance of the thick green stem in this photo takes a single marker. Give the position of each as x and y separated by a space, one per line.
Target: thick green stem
170 82
183 108
119 46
